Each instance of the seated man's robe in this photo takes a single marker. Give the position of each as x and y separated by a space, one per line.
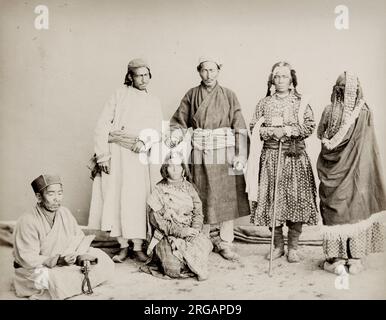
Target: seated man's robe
36 248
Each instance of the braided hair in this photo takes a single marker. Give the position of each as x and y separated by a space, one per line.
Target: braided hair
294 79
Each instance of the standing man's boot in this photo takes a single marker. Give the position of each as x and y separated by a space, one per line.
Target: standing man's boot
278 242
294 231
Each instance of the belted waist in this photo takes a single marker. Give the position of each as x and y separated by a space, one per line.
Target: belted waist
274 144
291 147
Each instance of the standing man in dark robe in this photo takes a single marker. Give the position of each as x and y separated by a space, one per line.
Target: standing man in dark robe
219 151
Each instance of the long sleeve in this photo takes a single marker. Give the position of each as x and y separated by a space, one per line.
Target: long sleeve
240 129
181 118
198 217
266 133
156 215
304 130
180 121
27 244
256 115
103 128
323 122
169 228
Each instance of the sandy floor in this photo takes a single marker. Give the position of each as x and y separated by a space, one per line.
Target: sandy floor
247 279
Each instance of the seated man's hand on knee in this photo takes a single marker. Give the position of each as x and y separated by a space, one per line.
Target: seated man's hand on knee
67 260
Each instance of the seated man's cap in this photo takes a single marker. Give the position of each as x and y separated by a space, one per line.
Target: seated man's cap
137 63
43 181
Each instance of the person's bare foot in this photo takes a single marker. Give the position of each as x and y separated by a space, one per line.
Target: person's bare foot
141 256
228 254
119 258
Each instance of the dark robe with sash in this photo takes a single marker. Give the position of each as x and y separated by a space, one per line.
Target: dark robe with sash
222 192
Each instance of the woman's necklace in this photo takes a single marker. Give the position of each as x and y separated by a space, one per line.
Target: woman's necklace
282 95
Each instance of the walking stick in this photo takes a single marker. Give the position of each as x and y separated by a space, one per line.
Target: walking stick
274 208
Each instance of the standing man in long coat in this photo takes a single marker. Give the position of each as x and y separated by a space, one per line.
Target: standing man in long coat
219 151
126 133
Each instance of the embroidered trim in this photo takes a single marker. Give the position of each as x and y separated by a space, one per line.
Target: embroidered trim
180 186
348 119
350 91
345 231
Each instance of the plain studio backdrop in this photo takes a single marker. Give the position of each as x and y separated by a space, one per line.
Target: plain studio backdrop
54 83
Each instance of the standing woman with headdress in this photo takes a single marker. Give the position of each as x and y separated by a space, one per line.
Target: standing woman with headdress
283 115
352 191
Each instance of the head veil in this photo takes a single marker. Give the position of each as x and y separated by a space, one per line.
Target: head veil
347 101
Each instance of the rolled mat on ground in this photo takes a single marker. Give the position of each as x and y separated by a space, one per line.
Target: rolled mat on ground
261 235
6 230
250 234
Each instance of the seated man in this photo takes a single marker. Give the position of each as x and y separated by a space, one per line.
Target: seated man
51 251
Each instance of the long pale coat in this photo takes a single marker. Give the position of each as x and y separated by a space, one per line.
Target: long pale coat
118 201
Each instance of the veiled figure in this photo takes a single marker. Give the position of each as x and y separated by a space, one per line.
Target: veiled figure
352 191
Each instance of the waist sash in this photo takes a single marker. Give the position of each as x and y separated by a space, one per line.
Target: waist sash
123 139
208 139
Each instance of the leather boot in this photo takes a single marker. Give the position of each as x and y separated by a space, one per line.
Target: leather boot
278 242
355 266
294 231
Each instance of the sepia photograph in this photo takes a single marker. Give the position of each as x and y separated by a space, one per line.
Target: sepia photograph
192 150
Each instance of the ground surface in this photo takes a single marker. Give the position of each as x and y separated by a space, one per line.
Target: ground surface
247 279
